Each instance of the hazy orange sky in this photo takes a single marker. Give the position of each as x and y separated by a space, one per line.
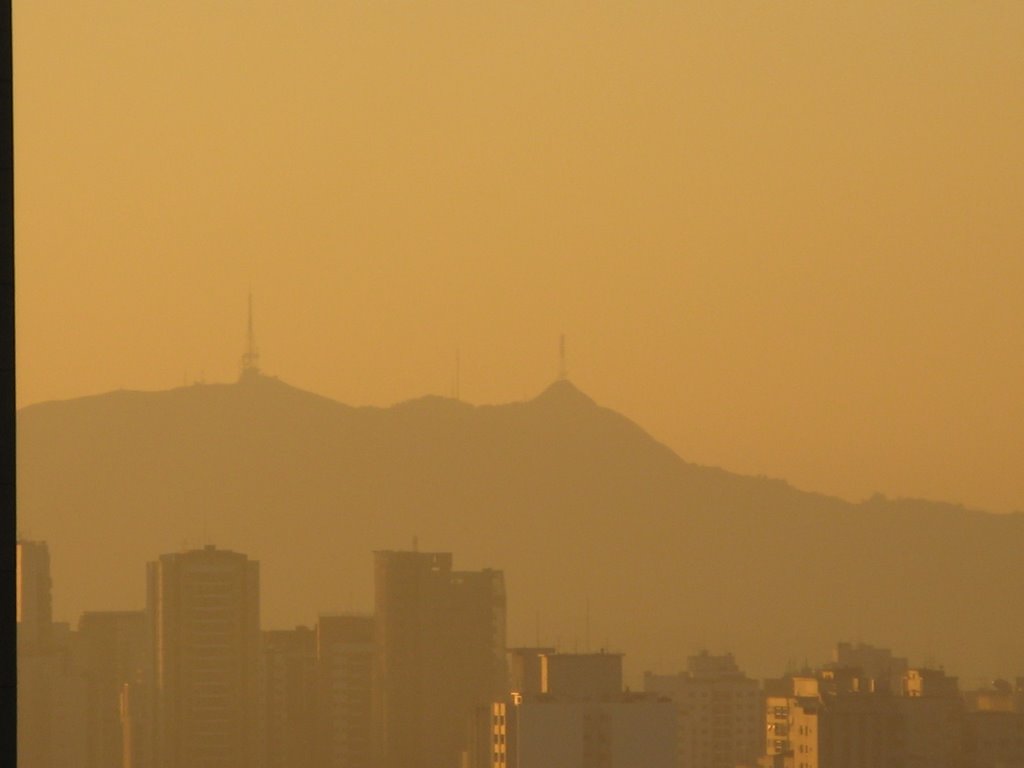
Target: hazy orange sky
785 238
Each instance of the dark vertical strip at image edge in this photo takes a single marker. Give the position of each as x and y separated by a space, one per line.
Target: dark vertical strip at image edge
8 528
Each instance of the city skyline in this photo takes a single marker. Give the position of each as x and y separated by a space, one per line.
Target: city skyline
582 507
691 332
208 684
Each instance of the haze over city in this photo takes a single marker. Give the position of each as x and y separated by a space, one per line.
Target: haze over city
536 384
786 240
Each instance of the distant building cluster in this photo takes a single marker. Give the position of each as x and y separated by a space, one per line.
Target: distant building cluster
427 681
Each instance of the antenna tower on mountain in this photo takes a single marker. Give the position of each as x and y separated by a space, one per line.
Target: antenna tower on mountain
251 356
563 371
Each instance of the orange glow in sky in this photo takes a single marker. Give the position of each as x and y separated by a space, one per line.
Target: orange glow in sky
787 239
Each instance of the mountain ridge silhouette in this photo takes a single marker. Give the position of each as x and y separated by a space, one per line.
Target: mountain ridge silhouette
574 501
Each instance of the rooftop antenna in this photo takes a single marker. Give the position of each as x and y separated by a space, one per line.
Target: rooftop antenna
251 357
563 372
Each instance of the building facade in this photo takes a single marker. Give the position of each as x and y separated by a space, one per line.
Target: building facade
721 723
112 651
203 607
290 697
571 712
439 653
52 703
34 600
344 657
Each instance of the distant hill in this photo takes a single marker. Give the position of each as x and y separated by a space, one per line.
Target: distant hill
575 502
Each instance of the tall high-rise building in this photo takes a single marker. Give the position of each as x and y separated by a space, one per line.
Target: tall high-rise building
290 697
51 692
344 659
112 651
204 611
440 652
34 602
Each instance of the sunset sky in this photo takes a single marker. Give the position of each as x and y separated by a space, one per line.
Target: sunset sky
785 238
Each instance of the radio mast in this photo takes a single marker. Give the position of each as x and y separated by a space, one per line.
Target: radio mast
251 356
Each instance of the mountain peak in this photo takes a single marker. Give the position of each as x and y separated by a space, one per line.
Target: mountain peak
564 393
